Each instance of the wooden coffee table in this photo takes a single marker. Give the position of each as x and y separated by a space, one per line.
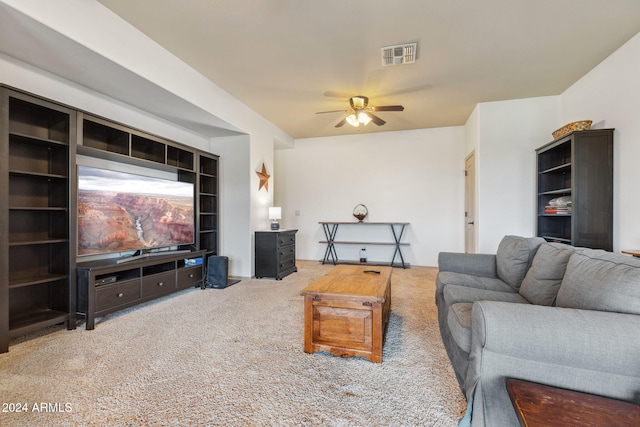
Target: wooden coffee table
346 312
539 405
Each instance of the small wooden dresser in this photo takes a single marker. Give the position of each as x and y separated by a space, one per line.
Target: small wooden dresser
275 253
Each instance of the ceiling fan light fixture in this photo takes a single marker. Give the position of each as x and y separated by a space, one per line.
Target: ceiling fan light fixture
353 120
361 112
364 118
359 102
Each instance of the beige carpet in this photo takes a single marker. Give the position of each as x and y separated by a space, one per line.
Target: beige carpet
233 357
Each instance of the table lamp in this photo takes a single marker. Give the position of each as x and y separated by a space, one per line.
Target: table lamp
275 213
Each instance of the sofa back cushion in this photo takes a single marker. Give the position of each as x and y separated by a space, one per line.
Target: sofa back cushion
514 257
599 280
540 285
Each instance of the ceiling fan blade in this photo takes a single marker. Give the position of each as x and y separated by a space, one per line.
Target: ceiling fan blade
333 111
389 108
413 89
375 119
337 94
341 123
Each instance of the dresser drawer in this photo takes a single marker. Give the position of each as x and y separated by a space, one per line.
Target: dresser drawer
120 294
189 276
286 239
158 283
287 264
287 252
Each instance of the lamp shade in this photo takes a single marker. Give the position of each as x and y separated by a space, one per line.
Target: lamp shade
275 213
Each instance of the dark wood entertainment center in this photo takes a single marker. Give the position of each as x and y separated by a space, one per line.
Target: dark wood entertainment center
106 286
39 140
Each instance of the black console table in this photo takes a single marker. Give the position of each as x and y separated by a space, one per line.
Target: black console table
105 286
331 255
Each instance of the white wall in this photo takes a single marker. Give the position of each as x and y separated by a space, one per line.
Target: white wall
234 202
411 176
610 96
243 206
504 136
508 134
25 77
262 198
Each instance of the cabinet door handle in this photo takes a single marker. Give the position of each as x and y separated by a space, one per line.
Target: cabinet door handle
120 295
160 283
191 276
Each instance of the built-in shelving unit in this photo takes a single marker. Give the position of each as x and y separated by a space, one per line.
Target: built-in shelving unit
577 167
98 137
113 141
208 204
37 276
39 141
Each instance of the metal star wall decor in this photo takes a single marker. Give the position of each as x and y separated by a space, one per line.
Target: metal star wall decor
264 178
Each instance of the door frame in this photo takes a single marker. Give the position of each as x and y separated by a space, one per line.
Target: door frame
470 211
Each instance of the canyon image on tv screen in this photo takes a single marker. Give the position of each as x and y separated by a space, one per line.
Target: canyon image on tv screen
120 212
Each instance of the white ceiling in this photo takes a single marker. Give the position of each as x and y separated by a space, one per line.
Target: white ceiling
283 57
288 59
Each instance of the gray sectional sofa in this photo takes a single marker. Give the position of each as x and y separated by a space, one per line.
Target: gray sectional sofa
543 312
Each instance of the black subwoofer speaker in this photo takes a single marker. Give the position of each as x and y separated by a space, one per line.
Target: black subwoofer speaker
217 272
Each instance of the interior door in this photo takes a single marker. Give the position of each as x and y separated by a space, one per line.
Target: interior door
470 203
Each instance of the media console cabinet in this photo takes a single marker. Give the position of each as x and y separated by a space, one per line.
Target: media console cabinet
106 286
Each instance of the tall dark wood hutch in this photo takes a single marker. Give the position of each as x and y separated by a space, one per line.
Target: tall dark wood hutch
579 167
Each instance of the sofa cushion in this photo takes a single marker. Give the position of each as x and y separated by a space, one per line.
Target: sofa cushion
514 257
540 285
460 299
599 280
459 322
454 294
480 282
476 264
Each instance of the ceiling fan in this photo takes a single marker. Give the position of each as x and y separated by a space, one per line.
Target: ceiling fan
362 112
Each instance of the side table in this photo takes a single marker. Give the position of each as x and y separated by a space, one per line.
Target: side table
539 405
397 231
632 252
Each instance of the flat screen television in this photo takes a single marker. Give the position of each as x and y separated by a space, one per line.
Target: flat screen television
120 211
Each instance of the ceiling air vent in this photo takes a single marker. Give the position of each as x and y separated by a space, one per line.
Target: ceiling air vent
399 54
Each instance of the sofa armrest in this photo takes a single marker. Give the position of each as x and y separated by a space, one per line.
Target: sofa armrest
474 264
593 340
590 351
